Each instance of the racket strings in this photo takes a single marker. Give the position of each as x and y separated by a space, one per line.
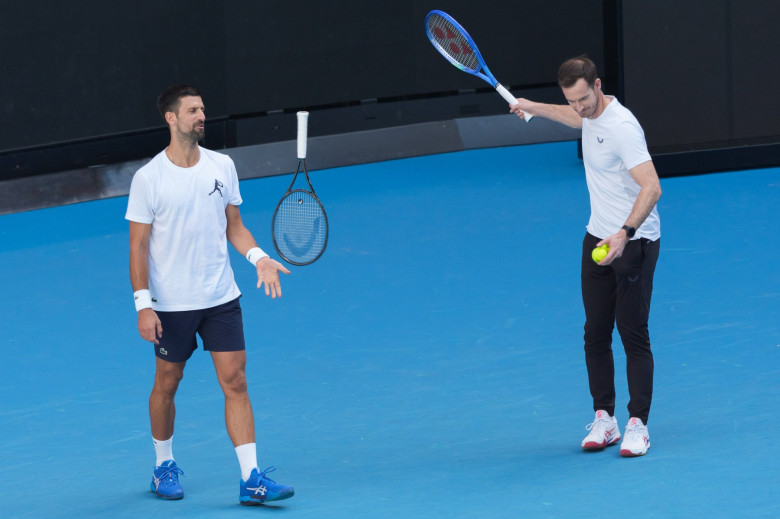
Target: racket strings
453 42
300 227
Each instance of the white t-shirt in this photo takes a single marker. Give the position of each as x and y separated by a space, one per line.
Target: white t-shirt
612 144
189 266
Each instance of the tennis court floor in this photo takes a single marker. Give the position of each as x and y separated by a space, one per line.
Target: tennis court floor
430 364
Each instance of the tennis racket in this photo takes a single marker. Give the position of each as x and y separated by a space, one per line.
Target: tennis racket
299 225
454 43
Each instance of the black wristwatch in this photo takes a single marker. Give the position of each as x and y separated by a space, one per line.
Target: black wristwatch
630 231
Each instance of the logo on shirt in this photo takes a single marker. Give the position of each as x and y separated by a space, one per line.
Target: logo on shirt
600 140
217 187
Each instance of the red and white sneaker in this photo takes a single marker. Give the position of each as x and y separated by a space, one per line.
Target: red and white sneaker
604 432
637 439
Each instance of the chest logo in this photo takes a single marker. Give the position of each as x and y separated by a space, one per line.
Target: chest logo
217 187
600 140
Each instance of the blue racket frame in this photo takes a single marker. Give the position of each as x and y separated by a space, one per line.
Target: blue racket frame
485 73
487 76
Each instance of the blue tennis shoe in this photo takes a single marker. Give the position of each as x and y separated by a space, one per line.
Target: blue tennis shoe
165 481
259 489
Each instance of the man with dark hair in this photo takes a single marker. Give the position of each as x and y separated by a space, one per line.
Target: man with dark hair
183 209
624 189
170 100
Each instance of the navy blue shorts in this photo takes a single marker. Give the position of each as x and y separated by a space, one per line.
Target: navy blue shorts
221 328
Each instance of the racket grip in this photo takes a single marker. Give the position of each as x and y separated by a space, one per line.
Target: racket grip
511 99
303 133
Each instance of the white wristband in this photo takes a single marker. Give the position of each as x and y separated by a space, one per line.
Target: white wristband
254 254
143 299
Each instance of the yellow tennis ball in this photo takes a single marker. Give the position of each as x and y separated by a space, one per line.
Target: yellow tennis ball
599 253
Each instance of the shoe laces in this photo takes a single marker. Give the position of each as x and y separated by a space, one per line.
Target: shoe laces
599 426
171 474
635 432
266 471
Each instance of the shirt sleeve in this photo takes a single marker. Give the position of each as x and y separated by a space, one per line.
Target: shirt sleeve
235 193
139 206
632 147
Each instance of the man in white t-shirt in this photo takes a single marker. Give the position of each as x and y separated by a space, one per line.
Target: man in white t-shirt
183 210
624 189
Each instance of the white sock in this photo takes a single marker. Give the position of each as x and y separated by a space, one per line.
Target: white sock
247 458
164 450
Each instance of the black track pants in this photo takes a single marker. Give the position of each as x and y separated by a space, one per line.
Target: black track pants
619 293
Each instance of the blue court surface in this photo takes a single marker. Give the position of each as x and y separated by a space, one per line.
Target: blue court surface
430 364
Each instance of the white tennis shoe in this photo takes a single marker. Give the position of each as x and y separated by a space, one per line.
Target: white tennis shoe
604 432
637 439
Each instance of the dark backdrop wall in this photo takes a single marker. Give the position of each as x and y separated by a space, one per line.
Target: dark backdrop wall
75 70
701 75
80 79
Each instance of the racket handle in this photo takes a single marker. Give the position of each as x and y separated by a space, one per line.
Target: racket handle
511 99
303 133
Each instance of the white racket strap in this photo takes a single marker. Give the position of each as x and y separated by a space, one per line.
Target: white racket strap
303 133
507 95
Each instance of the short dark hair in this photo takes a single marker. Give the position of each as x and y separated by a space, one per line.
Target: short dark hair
575 69
170 100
